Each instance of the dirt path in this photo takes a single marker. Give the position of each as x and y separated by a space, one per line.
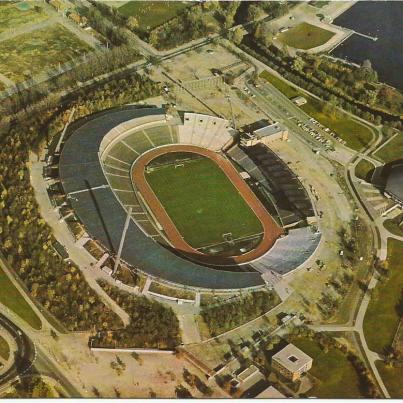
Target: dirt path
271 230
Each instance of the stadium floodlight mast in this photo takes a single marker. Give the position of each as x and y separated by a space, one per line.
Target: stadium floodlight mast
232 111
122 240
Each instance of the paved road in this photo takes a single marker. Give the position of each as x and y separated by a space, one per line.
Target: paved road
25 354
358 327
45 366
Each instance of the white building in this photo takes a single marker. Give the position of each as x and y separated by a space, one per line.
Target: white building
267 134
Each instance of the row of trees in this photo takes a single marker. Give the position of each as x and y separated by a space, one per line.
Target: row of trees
359 83
152 324
115 34
100 62
289 68
227 316
211 17
25 238
192 23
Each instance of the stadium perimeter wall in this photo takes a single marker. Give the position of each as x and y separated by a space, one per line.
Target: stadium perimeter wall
103 216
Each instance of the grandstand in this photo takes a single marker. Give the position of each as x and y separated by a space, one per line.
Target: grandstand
292 201
205 131
301 241
96 173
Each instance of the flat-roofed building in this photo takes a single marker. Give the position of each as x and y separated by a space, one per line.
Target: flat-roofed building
394 183
291 362
267 134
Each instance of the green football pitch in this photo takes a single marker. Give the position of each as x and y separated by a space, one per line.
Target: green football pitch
202 202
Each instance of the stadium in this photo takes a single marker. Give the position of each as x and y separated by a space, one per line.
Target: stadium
178 196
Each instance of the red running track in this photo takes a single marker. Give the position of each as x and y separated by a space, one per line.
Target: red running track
271 230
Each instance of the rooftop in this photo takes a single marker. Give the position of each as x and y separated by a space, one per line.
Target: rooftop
245 374
292 358
269 130
394 184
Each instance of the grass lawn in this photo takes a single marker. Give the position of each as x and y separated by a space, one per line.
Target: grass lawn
150 14
381 319
30 54
392 150
336 377
392 377
288 90
203 203
305 36
12 299
393 226
14 14
319 4
363 168
171 292
355 134
4 349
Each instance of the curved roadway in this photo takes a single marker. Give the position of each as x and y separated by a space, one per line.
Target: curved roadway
24 356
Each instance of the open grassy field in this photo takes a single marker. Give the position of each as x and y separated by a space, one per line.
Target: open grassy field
354 133
150 14
395 225
381 319
288 90
393 150
12 299
305 36
203 203
14 14
392 377
363 169
29 54
336 377
4 349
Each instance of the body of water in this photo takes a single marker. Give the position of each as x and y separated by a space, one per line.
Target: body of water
381 19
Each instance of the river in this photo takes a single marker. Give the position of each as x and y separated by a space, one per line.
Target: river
381 19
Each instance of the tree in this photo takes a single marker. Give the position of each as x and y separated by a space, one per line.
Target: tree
264 33
254 12
132 23
182 393
298 63
96 392
236 35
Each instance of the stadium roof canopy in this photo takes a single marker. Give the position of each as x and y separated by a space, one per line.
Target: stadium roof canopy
99 210
394 183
